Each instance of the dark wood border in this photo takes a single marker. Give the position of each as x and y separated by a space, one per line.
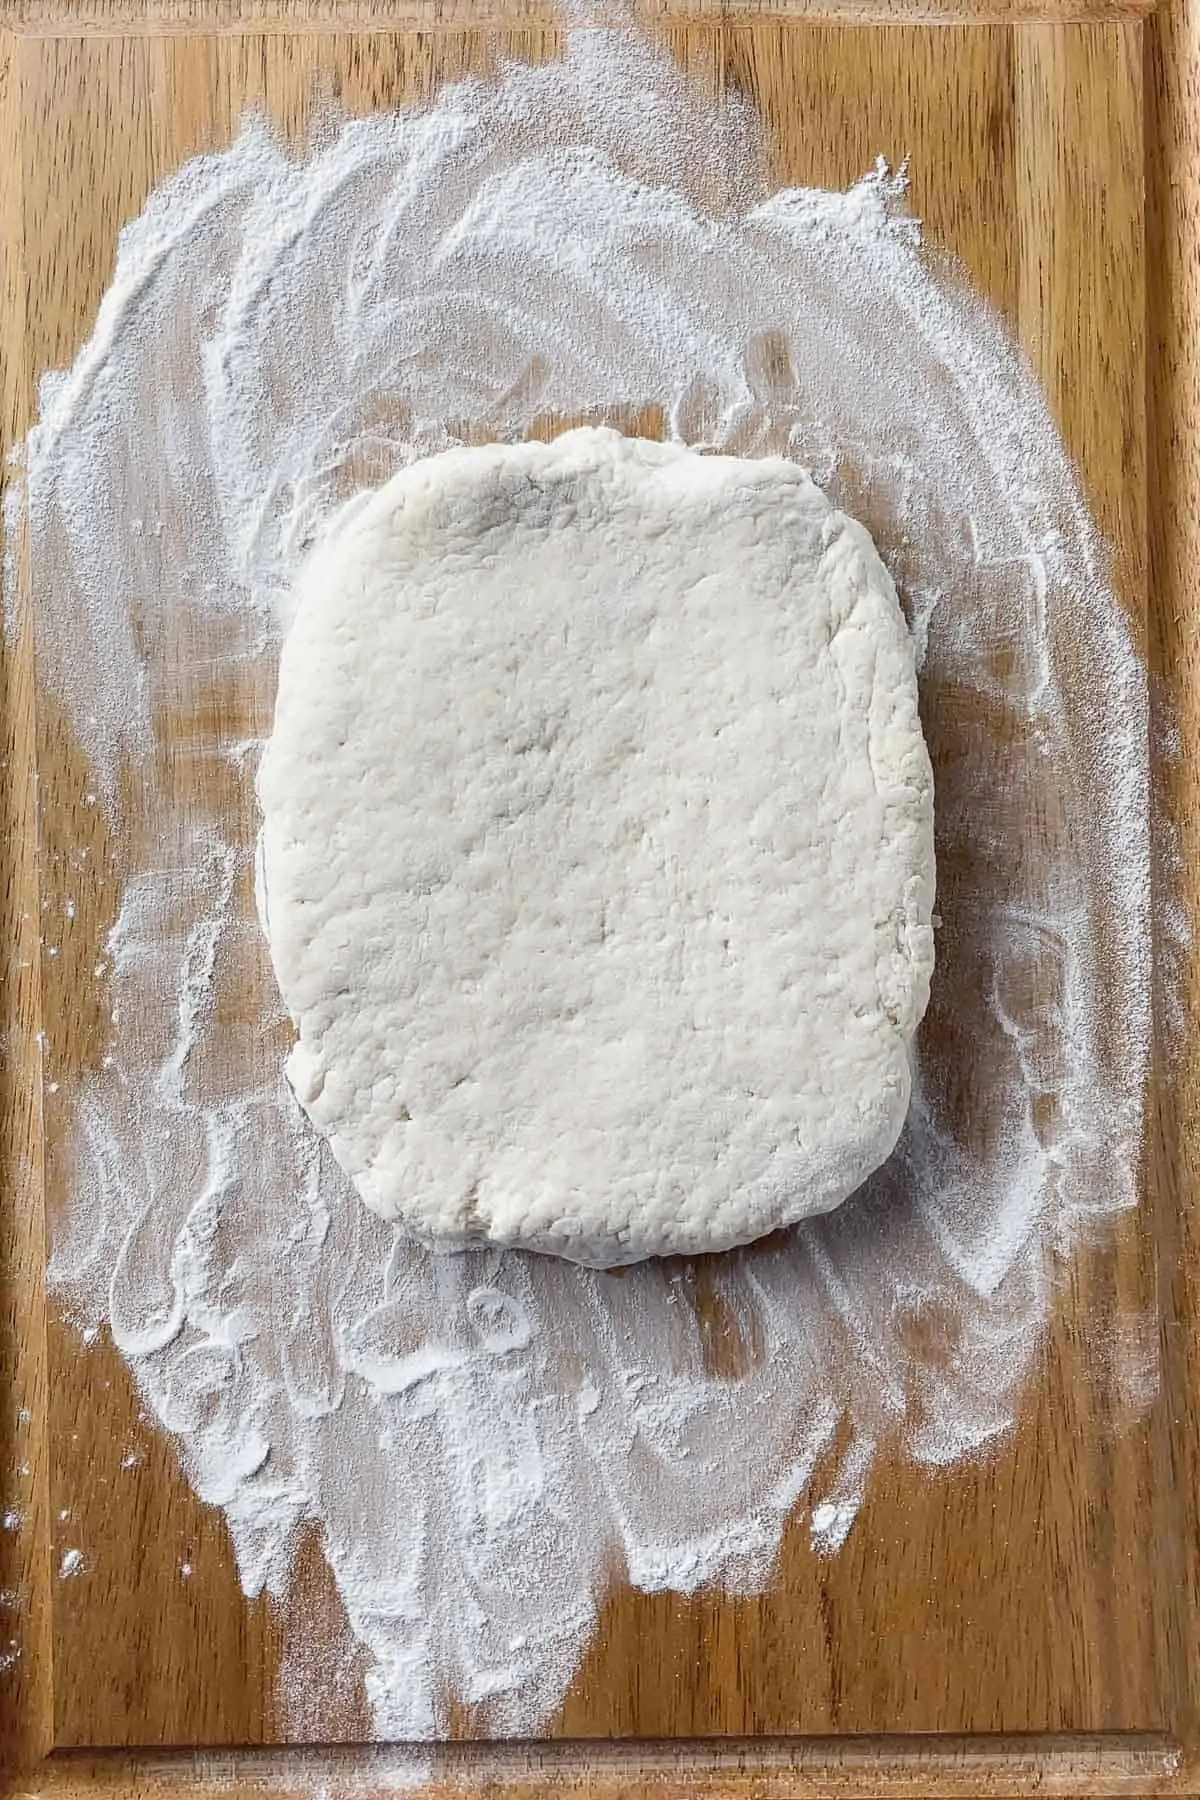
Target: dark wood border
74 18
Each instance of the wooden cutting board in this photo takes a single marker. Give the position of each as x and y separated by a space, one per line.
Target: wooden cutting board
1049 1590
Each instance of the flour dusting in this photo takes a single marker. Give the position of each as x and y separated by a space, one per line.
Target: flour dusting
484 1443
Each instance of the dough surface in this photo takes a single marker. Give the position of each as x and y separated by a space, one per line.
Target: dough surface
597 849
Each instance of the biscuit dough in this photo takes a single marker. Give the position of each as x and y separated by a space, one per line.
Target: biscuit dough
597 848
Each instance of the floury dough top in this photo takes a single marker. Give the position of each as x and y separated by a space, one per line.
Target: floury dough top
597 848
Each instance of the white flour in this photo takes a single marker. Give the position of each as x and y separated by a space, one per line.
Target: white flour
486 1443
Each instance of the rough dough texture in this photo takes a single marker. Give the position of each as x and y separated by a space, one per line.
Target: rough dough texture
597 848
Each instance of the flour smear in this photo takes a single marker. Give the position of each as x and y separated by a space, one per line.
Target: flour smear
485 1444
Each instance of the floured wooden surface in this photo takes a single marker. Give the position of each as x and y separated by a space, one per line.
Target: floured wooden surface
940 1571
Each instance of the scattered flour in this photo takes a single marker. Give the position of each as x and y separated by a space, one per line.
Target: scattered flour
486 1442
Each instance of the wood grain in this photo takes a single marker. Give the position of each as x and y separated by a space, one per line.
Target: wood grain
25 1604
159 18
1055 1589
1173 311
883 1768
